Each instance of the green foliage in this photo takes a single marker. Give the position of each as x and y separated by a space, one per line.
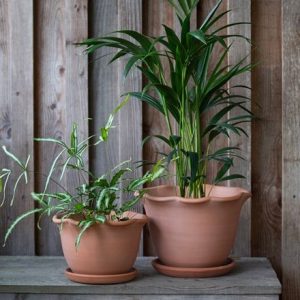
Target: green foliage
5 174
96 199
195 86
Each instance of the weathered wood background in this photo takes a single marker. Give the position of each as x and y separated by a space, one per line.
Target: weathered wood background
47 83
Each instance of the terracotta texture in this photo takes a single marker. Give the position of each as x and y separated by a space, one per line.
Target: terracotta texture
105 249
193 272
194 233
101 279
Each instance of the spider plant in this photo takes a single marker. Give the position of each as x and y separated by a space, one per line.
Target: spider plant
197 85
95 199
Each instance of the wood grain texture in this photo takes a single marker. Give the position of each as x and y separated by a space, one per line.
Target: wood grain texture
252 276
16 116
130 116
61 91
107 85
241 12
134 297
266 131
155 13
291 149
104 91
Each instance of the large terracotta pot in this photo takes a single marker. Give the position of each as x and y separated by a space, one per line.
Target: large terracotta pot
194 233
109 248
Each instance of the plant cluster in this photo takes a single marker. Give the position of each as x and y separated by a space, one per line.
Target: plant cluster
193 86
96 198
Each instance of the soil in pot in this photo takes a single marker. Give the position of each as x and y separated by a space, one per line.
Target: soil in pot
194 233
105 250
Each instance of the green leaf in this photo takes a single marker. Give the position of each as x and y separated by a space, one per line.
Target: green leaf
199 35
13 157
195 81
52 169
18 220
120 54
74 139
174 140
15 188
231 177
129 204
208 20
119 175
122 104
104 134
130 64
221 173
148 99
100 218
84 225
51 140
6 174
194 164
142 39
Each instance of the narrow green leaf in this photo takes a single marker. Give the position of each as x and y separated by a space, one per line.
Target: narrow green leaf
13 157
84 225
18 220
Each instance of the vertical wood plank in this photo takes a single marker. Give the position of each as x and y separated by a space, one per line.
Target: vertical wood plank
203 10
266 131
155 13
16 116
107 85
241 12
61 89
291 149
103 85
130 117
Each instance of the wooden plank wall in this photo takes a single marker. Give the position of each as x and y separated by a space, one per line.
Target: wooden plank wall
16 113
241 10
107 85
61 92
266 131
291 149
47 83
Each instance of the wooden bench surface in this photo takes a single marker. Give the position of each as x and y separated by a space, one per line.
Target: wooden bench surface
253 278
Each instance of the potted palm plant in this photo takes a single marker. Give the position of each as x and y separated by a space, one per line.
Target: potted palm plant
193 224
100 237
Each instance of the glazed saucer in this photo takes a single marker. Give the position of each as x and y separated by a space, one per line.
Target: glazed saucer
193 272
100 279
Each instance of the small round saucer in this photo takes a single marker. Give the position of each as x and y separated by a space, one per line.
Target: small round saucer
193 272
101 279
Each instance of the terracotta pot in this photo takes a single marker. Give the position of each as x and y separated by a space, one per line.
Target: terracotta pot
104 249
194 233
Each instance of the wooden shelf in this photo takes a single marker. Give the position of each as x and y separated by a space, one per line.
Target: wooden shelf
43 278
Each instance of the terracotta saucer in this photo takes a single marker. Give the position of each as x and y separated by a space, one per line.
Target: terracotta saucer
101 279
193 272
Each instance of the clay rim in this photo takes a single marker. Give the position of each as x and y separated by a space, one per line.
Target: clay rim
101 279
240 194
134 218
229 264
193 272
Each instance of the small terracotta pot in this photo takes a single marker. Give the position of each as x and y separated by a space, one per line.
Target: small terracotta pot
194 233
105 249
